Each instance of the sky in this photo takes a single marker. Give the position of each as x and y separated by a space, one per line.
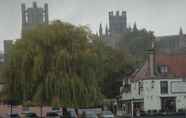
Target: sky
164 17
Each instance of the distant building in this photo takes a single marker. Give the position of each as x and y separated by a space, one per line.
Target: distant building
159 85
117 28
34 16
172 43
117 22
7 45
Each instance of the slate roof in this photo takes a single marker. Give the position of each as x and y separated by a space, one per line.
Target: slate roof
176 66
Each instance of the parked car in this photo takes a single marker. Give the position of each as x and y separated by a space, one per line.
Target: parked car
52 114
72 113
58 110
107 114
13 115
90 114
30 115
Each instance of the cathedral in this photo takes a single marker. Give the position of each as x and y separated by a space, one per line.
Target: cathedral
117 28
34 16
172 43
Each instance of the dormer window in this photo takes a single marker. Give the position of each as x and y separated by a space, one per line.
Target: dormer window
163 69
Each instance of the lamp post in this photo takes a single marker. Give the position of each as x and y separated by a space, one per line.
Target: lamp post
132 108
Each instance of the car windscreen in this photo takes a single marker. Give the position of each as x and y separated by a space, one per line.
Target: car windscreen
107 113
52 114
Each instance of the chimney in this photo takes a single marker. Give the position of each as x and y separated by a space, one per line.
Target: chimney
152 60
46 13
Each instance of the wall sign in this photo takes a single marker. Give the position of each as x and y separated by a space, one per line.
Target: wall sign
178 87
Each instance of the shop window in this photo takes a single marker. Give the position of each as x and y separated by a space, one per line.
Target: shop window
164 87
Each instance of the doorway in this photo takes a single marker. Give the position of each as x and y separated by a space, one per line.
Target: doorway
168 104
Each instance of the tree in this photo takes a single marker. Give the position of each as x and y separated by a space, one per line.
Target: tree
114 65
63 62
50 61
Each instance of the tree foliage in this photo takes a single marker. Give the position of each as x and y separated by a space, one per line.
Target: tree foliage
60 64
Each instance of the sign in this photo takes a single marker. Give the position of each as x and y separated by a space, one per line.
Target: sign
178 87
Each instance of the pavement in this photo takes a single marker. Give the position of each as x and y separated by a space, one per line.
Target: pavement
178 116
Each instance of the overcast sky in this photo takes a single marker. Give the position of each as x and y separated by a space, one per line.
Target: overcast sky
164 17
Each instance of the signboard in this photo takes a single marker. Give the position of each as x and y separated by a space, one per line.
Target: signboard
178 87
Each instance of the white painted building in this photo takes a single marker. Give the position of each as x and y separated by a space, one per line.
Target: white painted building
160 85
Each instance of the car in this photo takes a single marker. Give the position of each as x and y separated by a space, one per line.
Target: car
13 115
30 115
107 114
57 110
90 114
72 113
52 114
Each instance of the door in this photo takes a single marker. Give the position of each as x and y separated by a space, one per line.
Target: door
168 104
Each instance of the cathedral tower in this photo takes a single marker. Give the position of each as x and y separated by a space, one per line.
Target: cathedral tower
34 16
118 22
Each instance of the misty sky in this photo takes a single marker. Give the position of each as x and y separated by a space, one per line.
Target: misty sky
164 17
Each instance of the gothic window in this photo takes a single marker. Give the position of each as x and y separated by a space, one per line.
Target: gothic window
163 69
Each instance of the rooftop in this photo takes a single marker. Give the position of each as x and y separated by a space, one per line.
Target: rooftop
176 64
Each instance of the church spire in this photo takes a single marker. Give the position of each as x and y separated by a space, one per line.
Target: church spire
181 32
106 30
100 31
135 27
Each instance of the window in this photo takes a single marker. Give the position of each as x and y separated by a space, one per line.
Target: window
140 88
164 87
163 69
127 88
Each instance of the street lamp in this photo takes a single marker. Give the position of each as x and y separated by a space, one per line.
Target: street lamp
132 108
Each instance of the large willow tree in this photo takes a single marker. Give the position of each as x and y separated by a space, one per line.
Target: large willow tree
61 64
53 64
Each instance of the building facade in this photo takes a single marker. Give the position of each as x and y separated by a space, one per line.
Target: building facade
158 86
34 16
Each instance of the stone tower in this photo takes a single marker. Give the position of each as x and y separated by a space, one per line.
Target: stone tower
117 27
34 16
117 22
